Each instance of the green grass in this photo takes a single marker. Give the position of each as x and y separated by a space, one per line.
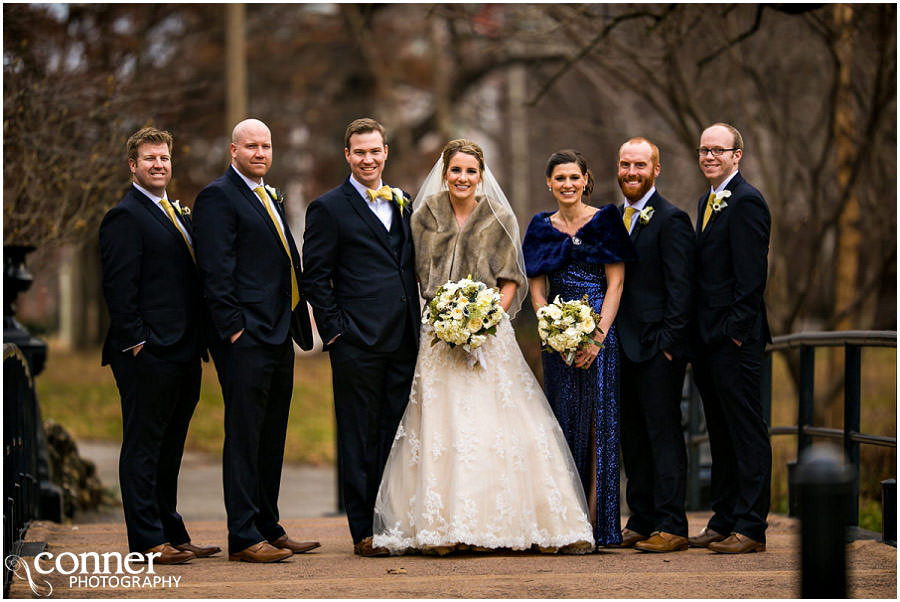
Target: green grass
75 391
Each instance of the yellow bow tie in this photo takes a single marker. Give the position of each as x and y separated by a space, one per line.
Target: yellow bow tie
384 193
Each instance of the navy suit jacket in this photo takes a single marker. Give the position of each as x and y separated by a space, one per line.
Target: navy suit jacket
244 269
657 296
150 282
357 286
732 266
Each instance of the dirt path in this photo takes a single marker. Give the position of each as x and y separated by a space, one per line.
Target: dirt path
334 572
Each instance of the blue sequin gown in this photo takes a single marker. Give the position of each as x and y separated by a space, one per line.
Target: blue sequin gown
585 401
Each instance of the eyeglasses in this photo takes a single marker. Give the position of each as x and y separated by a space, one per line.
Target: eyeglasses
716 152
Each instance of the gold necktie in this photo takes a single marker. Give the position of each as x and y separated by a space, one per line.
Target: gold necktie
708 212
295 290
384 192
170 211
629 215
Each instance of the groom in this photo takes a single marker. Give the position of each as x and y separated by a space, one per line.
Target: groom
359 276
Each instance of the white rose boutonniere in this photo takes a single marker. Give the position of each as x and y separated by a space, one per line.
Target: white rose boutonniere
275 194
646 215
183 211
718 202
399 198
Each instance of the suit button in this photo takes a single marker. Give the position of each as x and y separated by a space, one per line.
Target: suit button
402 299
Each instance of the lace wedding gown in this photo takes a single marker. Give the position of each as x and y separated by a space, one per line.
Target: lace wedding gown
479 458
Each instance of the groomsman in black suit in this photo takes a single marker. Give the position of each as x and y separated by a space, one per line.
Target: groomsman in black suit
250 270
359 273
733 224
653 332
154 346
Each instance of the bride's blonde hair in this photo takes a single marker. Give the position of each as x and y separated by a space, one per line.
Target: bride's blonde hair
461 145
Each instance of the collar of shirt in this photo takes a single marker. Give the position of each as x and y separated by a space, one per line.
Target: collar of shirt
639 205
361 188
150 195
250 183
722 186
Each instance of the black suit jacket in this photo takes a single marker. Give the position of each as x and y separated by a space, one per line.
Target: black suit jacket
732 266
657 296
245 271
356 285
150 282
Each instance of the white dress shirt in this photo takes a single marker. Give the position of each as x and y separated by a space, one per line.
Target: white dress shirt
639 206
722 186
156 201
251 185
380 207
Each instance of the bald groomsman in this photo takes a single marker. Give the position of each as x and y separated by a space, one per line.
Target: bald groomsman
251 272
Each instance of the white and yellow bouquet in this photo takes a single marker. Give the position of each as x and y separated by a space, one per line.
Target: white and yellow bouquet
464 313
568 326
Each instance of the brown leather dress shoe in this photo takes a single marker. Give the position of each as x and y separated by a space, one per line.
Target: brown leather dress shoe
660 541
261 552
737 544
706 537
199 551
629 538
297 547
168 554
364 548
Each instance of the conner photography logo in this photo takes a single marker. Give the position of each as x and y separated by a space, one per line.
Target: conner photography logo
90 570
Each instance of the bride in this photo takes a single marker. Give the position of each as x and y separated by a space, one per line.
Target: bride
479 461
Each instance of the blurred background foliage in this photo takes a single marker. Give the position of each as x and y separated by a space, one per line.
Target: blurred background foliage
812 87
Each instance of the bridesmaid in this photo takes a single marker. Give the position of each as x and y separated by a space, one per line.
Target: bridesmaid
574 251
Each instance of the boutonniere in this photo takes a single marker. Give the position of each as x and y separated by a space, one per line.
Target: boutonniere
182 211
399 198
275 194
718 202
646 215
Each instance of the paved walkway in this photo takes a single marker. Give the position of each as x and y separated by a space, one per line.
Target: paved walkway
333 571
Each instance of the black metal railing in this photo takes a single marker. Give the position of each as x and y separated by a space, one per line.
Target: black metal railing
850 436
21 485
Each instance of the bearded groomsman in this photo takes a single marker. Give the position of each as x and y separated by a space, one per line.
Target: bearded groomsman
653 332
251 272
733 224
359 271
154 346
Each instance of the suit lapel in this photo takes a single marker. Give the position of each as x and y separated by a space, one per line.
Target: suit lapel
367 215
639 226
157 214
737 179
255 202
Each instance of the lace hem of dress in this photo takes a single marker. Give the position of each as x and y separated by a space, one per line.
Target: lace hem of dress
397 544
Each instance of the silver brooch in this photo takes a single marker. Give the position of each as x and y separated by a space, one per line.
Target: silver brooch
576 241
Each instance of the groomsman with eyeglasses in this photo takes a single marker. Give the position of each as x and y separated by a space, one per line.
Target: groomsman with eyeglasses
154 346
733 224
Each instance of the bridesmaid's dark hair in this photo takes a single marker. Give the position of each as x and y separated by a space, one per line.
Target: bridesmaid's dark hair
562 157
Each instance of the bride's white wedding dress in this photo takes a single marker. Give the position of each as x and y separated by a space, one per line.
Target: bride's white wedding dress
479 458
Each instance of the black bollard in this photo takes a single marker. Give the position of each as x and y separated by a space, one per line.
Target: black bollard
824 490
889 511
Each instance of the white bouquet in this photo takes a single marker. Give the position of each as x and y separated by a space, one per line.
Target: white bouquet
464 313
568 326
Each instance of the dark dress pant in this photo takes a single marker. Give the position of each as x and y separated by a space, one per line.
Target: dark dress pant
257 381
370 395
158 400
653 449
729 378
